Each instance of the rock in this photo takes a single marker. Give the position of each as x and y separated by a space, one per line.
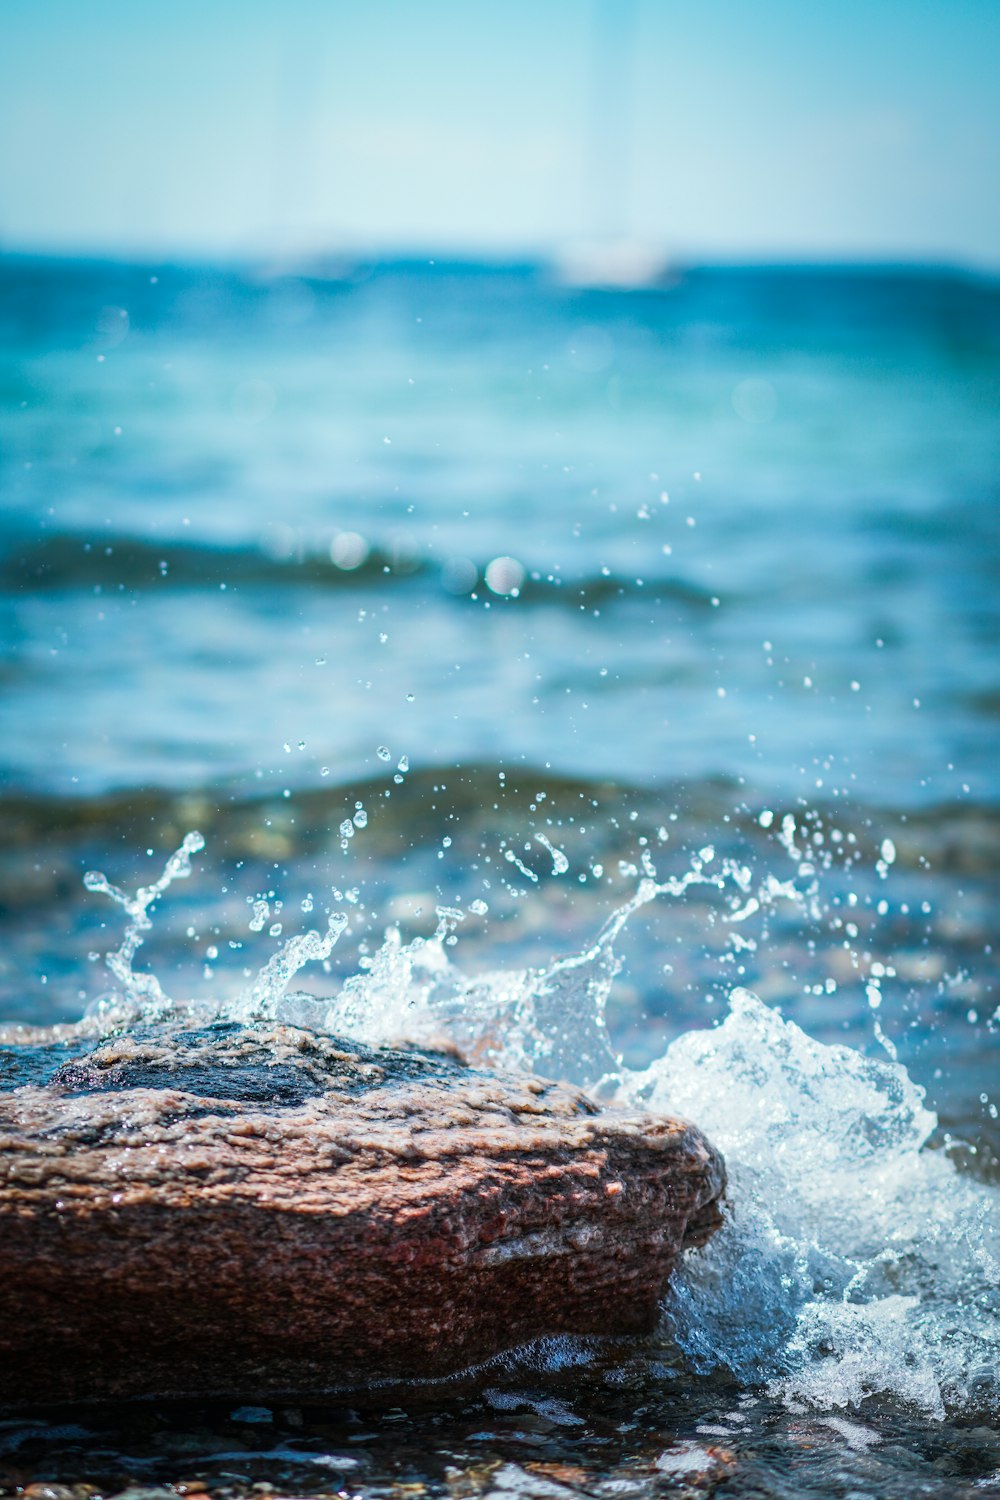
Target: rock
257 1211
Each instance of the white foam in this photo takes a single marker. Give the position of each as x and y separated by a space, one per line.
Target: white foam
854 1260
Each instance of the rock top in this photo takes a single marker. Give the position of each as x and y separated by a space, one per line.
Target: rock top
261 1210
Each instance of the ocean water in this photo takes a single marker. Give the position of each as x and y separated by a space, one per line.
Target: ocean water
611 678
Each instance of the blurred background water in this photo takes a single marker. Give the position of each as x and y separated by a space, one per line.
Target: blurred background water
752 519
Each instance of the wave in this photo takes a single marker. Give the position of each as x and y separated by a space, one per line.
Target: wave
855 1262
347 560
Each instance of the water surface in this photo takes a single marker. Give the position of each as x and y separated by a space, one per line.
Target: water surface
431 585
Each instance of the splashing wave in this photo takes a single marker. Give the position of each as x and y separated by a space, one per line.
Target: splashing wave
854 1262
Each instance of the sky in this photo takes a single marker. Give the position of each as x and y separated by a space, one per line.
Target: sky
706 129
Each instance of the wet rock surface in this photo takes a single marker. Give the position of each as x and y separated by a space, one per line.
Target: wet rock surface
256 1211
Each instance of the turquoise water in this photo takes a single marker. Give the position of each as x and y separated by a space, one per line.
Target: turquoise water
180 455
752 525
429 585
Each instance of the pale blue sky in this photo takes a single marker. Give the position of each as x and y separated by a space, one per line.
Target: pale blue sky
708 128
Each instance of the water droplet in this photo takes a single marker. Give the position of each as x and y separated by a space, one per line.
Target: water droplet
383 752
560 864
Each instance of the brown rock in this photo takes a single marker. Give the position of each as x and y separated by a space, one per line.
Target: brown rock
261 1211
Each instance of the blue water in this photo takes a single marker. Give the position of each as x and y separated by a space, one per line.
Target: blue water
525 584
745 549
181 447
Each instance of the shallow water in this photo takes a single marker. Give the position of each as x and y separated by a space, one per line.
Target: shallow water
451 587
630 1428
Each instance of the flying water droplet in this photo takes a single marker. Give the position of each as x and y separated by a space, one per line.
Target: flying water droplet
560 864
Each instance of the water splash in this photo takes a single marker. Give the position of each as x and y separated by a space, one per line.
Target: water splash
854 1260
143 993
142 990
560 864
268 989
550 1019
